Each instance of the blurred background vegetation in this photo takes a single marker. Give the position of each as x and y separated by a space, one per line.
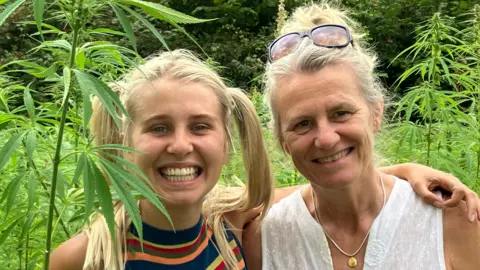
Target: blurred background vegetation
429 52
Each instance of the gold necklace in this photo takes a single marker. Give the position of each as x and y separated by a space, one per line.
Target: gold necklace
352 261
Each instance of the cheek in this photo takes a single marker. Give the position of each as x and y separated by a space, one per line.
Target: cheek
298 145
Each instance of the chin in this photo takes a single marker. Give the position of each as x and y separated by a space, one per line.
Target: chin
334 180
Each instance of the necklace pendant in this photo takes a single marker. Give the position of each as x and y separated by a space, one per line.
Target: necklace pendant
352 262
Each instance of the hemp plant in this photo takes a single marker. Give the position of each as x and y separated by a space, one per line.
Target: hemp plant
36 152
434 98
437 121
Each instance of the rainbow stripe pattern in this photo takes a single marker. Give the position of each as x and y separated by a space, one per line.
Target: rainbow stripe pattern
193 248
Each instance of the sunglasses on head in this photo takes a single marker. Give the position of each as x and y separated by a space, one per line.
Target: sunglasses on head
324 35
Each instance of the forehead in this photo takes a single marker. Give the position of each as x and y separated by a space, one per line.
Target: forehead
175 98
335 83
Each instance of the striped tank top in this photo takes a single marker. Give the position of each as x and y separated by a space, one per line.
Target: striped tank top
193 248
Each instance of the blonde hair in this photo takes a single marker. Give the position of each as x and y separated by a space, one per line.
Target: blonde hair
184 66
309 57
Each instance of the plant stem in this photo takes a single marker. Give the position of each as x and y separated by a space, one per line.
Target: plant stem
26 250
45 188
56 159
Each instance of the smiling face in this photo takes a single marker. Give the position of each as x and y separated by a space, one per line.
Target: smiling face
326 124
180 129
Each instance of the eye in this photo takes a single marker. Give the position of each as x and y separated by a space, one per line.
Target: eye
304 123
159 129
342 115
302 126
200 127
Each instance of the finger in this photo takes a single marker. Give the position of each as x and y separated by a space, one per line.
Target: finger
471 200
251 214
478 209
448 182
427 195
458 193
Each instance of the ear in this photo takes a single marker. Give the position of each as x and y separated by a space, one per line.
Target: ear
285 147
377 116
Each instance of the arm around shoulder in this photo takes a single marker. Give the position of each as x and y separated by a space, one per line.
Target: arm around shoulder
71 254
252 245
461 239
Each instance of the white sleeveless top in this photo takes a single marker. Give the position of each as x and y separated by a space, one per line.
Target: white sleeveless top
407 234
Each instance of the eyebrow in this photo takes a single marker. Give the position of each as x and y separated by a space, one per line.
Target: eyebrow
342 104
206 117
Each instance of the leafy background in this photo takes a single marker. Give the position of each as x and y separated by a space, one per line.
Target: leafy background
50 172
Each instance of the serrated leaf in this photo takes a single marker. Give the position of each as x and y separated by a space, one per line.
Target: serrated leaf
26 227
59 43
5 233
66 84
29 104
31 190
38 9
129 201
13 191
105 198
9 10
105 31
88 186
87 108
9 148
109 99
5 192
79 168
130 166
117 147
135 183
80 59
161 12
127 26
30 144
149 26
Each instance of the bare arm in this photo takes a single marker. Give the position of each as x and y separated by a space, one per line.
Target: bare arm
461 240
252 245
71 254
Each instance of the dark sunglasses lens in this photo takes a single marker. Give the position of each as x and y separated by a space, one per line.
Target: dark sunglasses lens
330 36
284 46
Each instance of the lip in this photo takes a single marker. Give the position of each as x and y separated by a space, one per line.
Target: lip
350 150
179 165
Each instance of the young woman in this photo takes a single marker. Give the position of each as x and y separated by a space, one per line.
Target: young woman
182 116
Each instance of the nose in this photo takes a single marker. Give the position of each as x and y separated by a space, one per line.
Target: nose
326 135
180 144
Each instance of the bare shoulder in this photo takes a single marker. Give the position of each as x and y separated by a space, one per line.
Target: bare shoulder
461 239
71 254
252 245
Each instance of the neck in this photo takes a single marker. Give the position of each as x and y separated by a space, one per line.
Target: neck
182 216
350 206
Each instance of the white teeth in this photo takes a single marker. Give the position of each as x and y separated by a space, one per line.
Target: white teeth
334 157
179 174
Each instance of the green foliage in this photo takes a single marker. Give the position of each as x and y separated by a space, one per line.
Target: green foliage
51 173
44 122
437 120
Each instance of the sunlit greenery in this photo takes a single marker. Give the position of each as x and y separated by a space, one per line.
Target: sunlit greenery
51 179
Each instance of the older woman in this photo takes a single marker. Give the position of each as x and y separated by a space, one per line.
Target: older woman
327 105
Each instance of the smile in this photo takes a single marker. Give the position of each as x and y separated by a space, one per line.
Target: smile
335 157
180 174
